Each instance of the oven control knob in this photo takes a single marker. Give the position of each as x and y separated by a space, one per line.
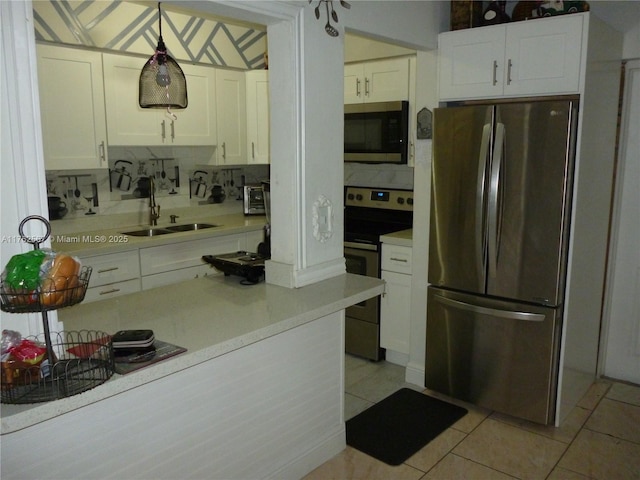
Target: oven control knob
410 201
401 200
350 196
359 197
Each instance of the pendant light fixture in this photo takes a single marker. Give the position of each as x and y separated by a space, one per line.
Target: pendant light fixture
162 82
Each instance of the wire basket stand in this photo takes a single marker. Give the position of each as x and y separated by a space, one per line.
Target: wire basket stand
74 362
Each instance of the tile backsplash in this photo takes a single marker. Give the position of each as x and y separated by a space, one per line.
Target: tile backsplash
184 177
378 175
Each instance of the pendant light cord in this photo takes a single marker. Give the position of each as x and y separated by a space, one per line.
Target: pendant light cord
163 52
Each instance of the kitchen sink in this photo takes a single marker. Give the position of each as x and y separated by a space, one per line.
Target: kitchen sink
190 226
152 232
148 232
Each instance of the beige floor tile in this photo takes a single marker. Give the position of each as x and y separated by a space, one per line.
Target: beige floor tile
602 457
435 450
597 391
351 464
474 417
453 467
357 368
565 433
625 393
377 387
511 450
354 405
618 419
563 474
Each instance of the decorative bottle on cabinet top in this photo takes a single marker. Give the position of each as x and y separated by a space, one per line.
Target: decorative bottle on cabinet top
495 13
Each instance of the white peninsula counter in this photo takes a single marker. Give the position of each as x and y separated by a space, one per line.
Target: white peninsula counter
258 394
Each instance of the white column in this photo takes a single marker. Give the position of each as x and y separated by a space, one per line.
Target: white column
22 175
306 84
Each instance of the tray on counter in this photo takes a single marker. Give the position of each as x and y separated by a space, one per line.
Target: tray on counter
143 358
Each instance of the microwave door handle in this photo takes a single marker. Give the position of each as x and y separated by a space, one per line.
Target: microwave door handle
482 168
494 189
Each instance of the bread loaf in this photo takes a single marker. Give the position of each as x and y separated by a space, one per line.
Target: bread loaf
60 280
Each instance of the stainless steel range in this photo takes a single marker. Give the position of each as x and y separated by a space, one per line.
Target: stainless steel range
369 213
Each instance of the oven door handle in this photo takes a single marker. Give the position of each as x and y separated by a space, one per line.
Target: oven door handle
361 246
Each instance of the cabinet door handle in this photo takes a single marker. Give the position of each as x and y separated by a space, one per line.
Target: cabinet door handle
102 150
163 130
357 87
107 292
394 259
495 72
173 131
509 65
366 87
253 150
105 270
224 150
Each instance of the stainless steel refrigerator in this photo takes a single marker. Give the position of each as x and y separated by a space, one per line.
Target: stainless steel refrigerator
499 227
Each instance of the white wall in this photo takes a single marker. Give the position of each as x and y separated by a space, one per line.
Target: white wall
426 96
631 43
622 337
358 49
411 24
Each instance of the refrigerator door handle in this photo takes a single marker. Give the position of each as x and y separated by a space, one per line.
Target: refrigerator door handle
494 189
494 312
480 192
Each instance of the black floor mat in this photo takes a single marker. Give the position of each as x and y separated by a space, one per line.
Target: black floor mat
397 427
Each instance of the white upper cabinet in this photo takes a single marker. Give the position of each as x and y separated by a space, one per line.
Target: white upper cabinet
536 57
232 117
257 116
72 108
128 124
376 81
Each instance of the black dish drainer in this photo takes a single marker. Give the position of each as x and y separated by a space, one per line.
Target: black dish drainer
75 361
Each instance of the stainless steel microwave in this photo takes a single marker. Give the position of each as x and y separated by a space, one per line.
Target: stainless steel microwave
376 132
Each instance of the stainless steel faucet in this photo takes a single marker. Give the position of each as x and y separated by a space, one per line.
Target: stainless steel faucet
154 210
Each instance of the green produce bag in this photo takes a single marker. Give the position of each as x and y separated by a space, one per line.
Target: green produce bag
23 270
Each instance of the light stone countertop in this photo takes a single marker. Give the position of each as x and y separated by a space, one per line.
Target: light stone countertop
209 316
402 238
111 240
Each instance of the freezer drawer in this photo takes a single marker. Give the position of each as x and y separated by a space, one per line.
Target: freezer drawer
499 355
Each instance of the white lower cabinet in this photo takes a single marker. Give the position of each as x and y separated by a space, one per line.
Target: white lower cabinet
254 238
113 275
121 273
395 304
173 276
112 290
175 262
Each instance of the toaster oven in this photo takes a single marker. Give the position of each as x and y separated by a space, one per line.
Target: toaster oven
253 200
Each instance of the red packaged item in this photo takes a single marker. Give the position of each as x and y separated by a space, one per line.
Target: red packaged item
29 352
21 360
